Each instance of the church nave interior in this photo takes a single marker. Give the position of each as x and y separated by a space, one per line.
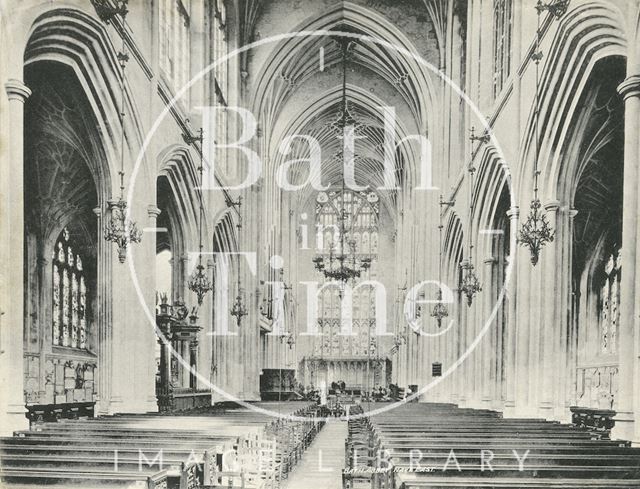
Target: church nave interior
366 243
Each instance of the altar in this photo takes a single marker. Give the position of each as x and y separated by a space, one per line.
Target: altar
357 372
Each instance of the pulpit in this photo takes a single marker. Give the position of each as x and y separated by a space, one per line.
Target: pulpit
176 383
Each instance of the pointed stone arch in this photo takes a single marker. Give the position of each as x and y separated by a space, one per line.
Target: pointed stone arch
587 33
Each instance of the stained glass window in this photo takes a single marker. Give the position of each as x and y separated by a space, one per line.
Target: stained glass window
69 295
360 221
502 26
609 304
360 216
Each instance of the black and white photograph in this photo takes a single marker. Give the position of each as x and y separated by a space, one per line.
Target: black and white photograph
320 244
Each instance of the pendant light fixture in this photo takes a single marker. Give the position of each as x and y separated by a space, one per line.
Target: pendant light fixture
199 282
345 264
239 309
470 285
536 232
440 310
120 229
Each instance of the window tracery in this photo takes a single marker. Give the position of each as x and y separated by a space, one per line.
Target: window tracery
360 212
69 295
502 28
175 41
609 304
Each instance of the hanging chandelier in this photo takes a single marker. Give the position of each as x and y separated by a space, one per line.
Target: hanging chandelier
120 229
343 263
440 310
288 339
199 282
470 284
536 231
239 309
340 266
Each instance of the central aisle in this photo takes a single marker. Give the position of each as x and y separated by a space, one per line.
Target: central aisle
321 465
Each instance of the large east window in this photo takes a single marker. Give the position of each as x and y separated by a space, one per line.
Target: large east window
360 213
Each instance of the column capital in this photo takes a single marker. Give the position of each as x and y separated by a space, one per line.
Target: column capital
16 90
630 87
572 213
490 260
97 211
513 212
153 211
552 205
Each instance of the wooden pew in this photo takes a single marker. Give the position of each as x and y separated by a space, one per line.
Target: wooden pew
437 446
236 449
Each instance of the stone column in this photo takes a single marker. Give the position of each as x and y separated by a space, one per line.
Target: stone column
627 417
153 212
489 364
510 347
206 357
462 372
102 318
550 369
526 322
472 371
530 322
183 277
12 404
45 340
567 386
151 239
559 279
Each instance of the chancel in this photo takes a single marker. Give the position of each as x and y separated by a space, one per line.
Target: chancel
288 244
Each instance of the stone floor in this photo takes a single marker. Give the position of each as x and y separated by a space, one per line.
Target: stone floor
322 463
